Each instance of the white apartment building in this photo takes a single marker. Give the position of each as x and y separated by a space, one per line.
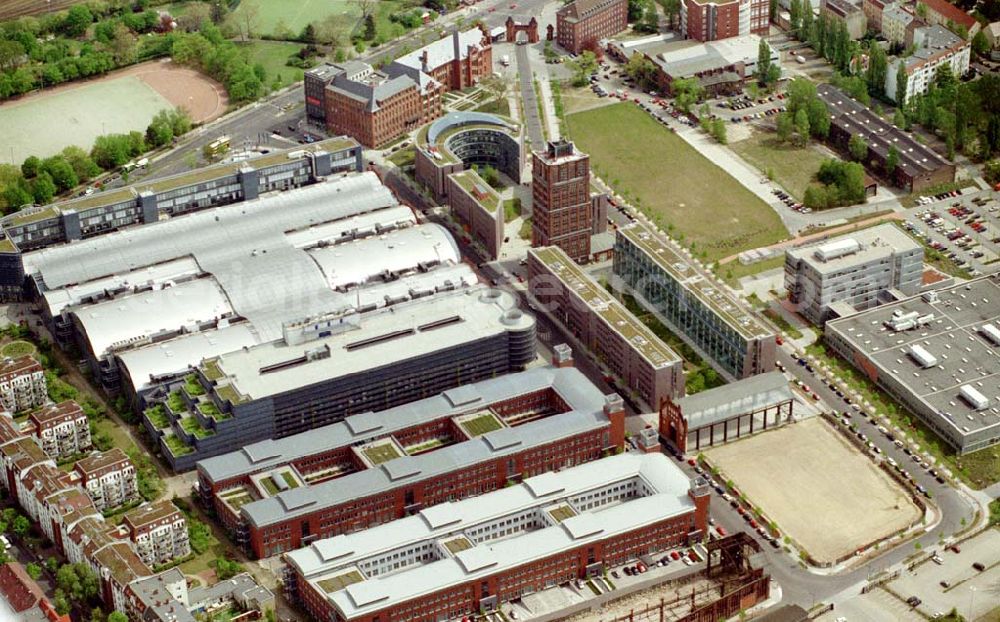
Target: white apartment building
852 272
22 384
109 478
61 430
158 531
935 46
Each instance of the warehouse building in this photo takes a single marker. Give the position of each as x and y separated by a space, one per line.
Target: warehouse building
508 429
149 201
461 140
617 338
918 165
727 413
458 559
235 482
666 280
938 354
853 272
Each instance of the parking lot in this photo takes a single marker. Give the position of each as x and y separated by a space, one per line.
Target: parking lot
971 591
965 227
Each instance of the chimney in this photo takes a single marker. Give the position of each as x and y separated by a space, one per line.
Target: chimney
456 50
424 58
614 410
700 493
562 356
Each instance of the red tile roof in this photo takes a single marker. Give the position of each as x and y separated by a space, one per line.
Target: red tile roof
18 588
949 11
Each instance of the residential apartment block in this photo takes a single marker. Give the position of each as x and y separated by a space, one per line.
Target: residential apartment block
847 12
376 106
109 478
158 532
457 559
934 46
918 166
560 192
583 23
615 337
62 429
853 272
727 413
898 24
380 466
714 20
944 13
22 384
688 300
936 354
874 11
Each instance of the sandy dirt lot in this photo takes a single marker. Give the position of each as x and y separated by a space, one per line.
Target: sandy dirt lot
817 487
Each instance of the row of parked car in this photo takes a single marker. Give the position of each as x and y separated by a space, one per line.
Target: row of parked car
790 202
928 199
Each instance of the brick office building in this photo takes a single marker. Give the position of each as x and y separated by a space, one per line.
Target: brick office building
560 192
462 558
22 384
376 106
617 338
584 22
713 20
158 532
109 478
61 429
375 467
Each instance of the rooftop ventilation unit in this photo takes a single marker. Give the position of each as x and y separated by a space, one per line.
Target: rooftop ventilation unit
833 250
923 358
977 400
990 332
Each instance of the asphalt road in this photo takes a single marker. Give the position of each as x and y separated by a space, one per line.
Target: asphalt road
805 588
535 131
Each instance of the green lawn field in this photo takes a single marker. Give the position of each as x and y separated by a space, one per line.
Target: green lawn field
44 124
295 15
272 55
793 167
672 181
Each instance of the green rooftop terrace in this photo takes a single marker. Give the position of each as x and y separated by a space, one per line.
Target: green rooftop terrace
339 582
469 181
606 306
701 284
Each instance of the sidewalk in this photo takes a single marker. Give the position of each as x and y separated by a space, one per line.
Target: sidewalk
548 106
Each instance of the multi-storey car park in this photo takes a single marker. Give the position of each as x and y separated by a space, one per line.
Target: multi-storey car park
149 201
938 354
853 272
375 467
692 302
461 558
460 140
617 338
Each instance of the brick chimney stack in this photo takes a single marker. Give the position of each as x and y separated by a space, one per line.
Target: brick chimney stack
614 409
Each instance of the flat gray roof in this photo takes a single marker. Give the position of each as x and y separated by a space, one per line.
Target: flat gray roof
571 385
737 398
390 475
662 494
964 356
873 244
375 339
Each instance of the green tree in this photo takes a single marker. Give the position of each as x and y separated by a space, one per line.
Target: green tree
795 16
785 125
922 11
34 570
719 130
78 582
43 188
160 130
31 167
78 18
858 147
902 78
83 165
643 71
61 602
819 118
117 616
878 68
672 9
806 29
61 172
980 44
582 66
802 126
899 119
227 568
763 62
891 160
687 92
772 10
